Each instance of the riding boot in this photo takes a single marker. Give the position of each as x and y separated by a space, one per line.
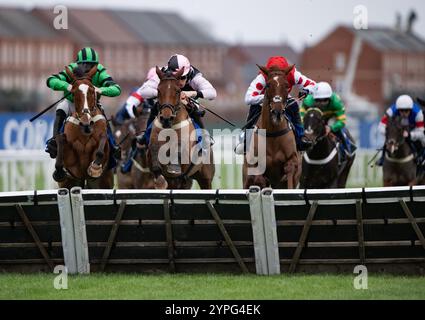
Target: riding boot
244 138
293 113
51 147
380 161
116 150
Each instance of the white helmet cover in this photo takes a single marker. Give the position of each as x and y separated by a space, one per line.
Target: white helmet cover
404 102
322 90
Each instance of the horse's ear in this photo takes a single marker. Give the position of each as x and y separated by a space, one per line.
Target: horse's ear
288 69
179 73
159 73
70 74
263 69
92 72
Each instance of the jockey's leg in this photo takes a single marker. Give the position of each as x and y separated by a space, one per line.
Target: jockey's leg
245 139
380 161
293 113
143 139
62 111
122 115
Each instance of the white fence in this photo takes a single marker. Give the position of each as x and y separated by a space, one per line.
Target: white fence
32 169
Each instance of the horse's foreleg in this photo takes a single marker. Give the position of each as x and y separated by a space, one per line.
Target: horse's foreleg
95 169
159 180
59 175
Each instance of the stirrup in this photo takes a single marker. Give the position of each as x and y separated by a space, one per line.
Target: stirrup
240 148
174 169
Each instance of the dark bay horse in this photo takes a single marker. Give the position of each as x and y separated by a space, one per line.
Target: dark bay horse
321 167
83 150
140 176
180 146
399 166
274 147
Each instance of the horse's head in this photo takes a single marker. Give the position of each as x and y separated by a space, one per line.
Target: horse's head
168 96
314 125
85 99
394 134
276 92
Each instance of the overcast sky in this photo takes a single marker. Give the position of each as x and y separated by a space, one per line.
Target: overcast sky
299 22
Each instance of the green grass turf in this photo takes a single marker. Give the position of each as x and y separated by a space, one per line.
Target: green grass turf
231 287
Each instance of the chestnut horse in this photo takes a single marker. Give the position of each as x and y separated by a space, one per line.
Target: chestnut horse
83 150
281 161
399 166
321 167
180 146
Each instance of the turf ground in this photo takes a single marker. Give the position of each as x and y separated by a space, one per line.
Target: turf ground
228 287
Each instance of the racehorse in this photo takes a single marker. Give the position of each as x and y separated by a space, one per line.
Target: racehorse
399 166
282 161
173 120
139 176
83 149
321 167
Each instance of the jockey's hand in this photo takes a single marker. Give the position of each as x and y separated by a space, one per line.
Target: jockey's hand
328 130
190 94
69 88
98 91
406 134
303 93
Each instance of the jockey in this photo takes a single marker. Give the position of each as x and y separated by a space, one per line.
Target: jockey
255 96
332 107
129 110
103 82
193 85
413 117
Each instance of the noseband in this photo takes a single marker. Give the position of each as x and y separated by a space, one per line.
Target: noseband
321 137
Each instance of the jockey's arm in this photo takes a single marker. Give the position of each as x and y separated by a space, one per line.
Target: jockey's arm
59 81
255 92
308 102
418 132
106 84
300 81
148 90
382 127
204 89
339 113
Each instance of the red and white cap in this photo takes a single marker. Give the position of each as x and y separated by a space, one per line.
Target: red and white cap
178 61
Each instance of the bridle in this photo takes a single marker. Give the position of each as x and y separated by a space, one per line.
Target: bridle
174 108
320 137
276 98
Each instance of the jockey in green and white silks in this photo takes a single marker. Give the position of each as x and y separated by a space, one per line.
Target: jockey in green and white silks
332 107
103 82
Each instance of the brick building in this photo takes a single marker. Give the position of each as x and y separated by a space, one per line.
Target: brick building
385 62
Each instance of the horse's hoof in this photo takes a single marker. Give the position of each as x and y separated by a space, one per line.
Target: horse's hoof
94 170
160 183
59 175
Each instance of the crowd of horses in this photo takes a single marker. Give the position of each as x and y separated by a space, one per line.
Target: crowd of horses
83 151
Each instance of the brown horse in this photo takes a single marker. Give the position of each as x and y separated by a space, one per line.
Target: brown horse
280 160
83 150
399 166
140 176
180 146
321 167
